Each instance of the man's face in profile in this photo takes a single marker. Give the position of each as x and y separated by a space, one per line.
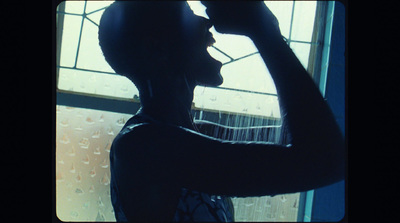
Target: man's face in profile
202 67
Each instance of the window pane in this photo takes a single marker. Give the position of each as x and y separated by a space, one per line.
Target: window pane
76 7
90 54
218 55
249 73
303 20
302 51
198 8
283 12
234 45
95 5
70 38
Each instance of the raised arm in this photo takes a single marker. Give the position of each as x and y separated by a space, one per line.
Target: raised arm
308 119
314 158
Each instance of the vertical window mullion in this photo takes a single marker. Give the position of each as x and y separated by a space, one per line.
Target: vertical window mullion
59 33
80 34
291 24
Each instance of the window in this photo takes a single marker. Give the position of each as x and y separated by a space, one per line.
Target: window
93 102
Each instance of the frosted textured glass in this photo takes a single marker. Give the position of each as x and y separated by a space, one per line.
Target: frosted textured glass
83 140
280 208
96 83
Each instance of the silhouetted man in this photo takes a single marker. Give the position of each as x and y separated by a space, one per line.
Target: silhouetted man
164 167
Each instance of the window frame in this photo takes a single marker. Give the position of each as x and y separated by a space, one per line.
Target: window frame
317 69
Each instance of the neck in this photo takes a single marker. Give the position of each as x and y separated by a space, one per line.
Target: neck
168 103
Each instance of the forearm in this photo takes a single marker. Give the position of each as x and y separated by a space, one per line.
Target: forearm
306 115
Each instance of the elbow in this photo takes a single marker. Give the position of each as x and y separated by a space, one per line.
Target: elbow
323 165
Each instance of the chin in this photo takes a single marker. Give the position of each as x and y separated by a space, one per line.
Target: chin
214 81
210 75
207 70
219 80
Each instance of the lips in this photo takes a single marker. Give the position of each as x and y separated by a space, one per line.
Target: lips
210 39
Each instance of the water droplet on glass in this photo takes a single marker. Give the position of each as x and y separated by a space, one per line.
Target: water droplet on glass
89 120
97 151
67 108
64 139
60 160
100 216
92 173
213 98
60 177
110 132
100 202
79 128
64 123
79 191
78 178
121 121
85 160
96 134
104 164
91 189
86 205
84 143
108 146
72 170
74 214
282 214
124 88
105 180
71 151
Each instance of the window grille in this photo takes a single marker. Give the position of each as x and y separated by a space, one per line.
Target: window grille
93 102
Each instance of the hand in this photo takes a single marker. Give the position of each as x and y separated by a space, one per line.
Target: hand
241 17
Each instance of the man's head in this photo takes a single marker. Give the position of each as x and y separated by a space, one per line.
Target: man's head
147 40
